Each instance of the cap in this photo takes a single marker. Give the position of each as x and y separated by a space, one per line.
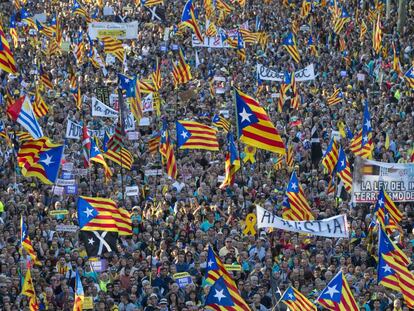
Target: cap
153 295
163 301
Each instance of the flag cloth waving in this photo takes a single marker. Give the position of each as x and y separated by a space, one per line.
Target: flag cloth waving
254 126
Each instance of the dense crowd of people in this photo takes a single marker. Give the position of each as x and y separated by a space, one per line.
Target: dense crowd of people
174 221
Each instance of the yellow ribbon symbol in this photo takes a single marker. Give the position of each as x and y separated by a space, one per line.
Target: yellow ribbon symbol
249 154
250 221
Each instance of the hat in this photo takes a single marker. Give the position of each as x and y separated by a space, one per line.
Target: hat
163 301
153 295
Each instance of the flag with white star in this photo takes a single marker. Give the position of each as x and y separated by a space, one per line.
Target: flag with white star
195 135
97 243
96 214
297 207
40 158
343 170
219 296
296 301
337 295
254 126
393 268
387 212
362 144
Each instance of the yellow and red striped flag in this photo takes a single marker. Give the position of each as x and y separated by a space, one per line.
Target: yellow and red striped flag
113 46
296 301
7 62
377 36
40 108
195 135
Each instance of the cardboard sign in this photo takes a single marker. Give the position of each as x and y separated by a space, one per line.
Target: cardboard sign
132 191
65 182
58 212
87 303
153 172
68 166
98 265
58 190
183 279
73 189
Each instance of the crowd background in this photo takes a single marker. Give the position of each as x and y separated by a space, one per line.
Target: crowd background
174 221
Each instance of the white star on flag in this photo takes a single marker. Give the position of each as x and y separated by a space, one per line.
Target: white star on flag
48 160
88 212
184 134
387 268
245 116
331 291
219 294
91 241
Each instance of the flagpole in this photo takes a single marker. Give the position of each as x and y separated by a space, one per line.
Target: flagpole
121 114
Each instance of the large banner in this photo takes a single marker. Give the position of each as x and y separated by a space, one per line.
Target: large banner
117 30
333 227
216 41
397 179
99 109
267 74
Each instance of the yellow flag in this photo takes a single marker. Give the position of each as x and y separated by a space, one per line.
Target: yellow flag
341 128
387 141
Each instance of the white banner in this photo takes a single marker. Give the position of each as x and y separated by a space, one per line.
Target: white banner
334 227
397 179
74 131
99 109
116 30
267 74
215 42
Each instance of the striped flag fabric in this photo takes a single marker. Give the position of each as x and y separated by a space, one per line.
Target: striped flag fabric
220 297
28 290
181 71
312 46
289 43
211 29
377 36
195 135
232 163
335 98
101 214
241 51
289 156
396 66
298 206
214 272
387 213
284 87
79 294
115 142
44 29
40 158
167 151
337 295
224 7
40 108
188 19
27 18
113 46
330 158
21 111
26 243
78 48
77 9
393 270
153 144
156 76
86 146
294 101
44 78
221 122
363 31
408 76
305 8
296 301
7 62
97 157
13 30
362 144
343 170
121 156
133 94
254 126
151 3
340 21
249 36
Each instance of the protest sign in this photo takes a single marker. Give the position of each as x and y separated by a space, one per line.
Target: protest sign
58 212
397 179
65 182
102 93
74 130
131 191
183 279
99 109
66 228
98 265
147 103
67 166
334 227
267 74
72 189
57 190
117 30
87 303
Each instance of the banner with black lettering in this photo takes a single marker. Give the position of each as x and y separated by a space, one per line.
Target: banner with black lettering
267 74
99 109
397 179
333 227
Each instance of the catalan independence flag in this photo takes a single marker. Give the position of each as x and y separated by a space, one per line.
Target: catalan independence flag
79 294
28 290
289 43
167 151
151 3
100 214
13 30
387 213
362 144
40 158
188 19
26 243
44 78
97 157
44 29
40 108
7 62
335 98
195 135
154 143
337 295
377 36
340 21
232 163
296 301
216 271
393 270
120 156
77 9
113 46
343 170
298 207
330 157
181 71
220 121
408 76
254 126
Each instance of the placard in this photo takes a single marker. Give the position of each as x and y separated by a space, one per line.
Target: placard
67 228
183 279
132 191
58 212
267 74
119 31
